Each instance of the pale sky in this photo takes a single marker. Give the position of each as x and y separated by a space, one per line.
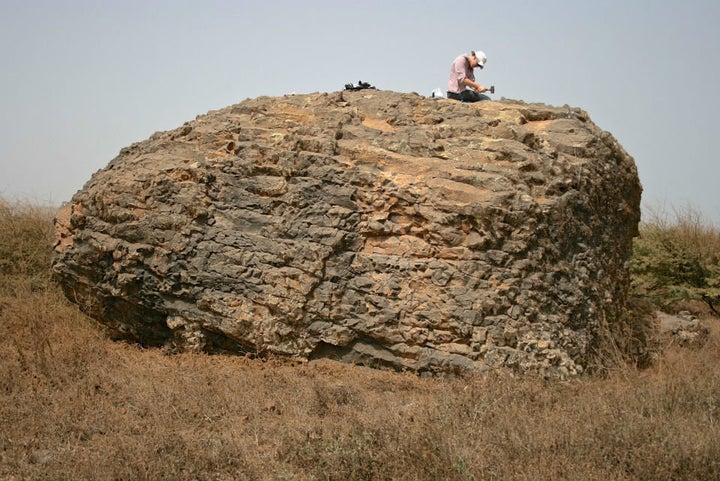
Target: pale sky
83 79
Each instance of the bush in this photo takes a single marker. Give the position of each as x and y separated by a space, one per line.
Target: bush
676 263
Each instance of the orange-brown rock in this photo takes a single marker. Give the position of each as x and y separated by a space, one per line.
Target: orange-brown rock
369 226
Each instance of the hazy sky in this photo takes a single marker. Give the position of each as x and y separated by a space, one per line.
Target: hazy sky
82 79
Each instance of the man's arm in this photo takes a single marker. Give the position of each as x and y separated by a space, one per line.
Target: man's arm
473 85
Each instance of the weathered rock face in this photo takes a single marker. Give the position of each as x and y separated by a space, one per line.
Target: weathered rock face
368 226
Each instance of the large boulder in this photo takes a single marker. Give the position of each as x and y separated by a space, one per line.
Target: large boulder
373 227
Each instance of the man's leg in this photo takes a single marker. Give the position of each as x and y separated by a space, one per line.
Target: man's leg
472 96
467 96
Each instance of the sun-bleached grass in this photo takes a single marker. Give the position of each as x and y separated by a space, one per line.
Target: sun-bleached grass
25 233
75 405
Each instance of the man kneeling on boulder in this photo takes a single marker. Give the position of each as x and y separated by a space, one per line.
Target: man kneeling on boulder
461 83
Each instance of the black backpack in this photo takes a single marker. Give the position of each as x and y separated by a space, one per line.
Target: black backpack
360 86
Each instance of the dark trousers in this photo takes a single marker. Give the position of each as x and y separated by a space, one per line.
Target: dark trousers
467 96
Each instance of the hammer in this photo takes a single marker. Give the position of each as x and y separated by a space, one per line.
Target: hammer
492 89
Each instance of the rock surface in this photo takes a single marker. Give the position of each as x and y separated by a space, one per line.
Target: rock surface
684 329
373 227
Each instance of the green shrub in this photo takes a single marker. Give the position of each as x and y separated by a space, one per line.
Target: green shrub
674 263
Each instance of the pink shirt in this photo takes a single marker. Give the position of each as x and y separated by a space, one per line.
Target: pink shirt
460 70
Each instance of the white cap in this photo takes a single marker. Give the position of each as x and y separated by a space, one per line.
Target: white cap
481 57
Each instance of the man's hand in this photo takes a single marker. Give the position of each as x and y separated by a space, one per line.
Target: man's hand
474 85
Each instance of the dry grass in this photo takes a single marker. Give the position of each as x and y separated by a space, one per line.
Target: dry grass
74 405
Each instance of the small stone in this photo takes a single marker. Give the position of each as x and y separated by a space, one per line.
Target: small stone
41 456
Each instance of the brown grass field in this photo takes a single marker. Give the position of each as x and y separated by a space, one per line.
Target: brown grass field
75 405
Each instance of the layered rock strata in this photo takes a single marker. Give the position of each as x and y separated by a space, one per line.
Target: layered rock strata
372 227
